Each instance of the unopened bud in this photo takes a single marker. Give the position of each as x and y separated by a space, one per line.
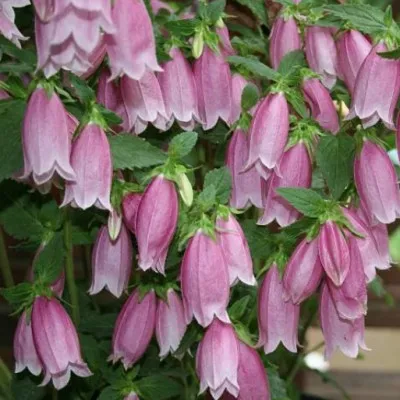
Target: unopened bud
185 189
198 45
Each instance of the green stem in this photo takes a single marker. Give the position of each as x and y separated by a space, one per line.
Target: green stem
69 270
5 263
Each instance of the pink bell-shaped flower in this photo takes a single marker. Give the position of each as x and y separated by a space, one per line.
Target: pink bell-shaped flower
277 319
238 85
217 360
353 48
236 251
285 37
131 49
340 333
46 139
92 185
303 272
294 170
225 41
334 252
56 342
246 186
7 17
111 262
130 205
204 281
134 328
214 93
321 105
179 90
322 54
376 183
170 323
156 220
268 132
376 90
25 353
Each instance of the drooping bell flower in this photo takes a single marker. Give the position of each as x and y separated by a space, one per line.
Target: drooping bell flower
111 262
158 5
92 185
130 205
268 133
225 40
217 360
156 220
131 396
170 323
334 252
134 329
25 353
7 17
321 54
285 37
353 48
214 95
131 49
179 90
377 89
45 139
252 376
95 59
144 103
376 183
204 281
235 250
238 85
277 319
320 102
246 186
294 170
380 233
303 272
56 342
340 333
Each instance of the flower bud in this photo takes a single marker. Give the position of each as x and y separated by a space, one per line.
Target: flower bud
136 317
56 342
198 45
285 37
376 183
217 360
46 140
170 323
340 333
277 320
269 132
92 185
303 272
204 281
213 79
236 251
322 54
156 220
185 189
114 224
376 90
25 353
131 49
353 47
322 107
130 205
111 262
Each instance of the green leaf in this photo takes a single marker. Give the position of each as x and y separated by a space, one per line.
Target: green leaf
109 393
277 385
257 7
27 57
11 116
377 286
192 335
335 157
250 96
27 389
239 307
207 197
109 116
296 99
258 238
49 263
182 27
393 55
18 294
129 152
182 144
307 201
83 91
292 61
255 67
221 179
212 12
101 326
158 387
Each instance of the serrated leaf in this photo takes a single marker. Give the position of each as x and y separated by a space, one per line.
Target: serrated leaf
296 100
18 294
182 27
130 152
239 307
182 144
250 96
306 201
109 116
277 385
109 393
292 61
211 12
258 238
207 197
158 387
258 8
255 67
335 157
221 179
84 92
